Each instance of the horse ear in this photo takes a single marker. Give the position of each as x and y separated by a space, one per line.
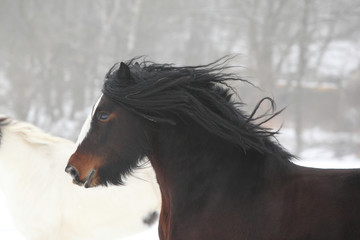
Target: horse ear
124 72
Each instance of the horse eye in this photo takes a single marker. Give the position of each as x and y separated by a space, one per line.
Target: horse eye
102 116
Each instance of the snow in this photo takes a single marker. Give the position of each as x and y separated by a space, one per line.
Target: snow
315 155
319 149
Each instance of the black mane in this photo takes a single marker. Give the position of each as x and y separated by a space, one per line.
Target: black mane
165 93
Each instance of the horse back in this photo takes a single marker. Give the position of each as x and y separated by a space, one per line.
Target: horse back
317 204
304 203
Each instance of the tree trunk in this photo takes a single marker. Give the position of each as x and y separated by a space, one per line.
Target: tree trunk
302 63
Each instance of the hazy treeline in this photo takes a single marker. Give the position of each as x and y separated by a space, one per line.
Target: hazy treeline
54 54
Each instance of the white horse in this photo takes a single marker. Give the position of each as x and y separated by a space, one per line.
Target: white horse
46 205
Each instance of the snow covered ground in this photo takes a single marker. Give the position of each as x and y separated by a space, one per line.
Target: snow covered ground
320 156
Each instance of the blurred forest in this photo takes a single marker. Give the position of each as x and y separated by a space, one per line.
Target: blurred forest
304 53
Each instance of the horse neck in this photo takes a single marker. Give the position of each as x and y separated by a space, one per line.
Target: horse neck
198 172
191 162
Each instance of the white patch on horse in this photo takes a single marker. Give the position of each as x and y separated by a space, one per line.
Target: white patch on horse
86 127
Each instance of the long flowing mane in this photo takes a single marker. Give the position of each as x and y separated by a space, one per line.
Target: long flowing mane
202 94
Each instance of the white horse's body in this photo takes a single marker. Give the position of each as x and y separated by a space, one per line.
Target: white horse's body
46 205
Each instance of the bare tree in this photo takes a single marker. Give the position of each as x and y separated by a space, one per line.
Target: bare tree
55 54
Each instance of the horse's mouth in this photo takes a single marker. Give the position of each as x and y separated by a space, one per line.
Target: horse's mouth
87 182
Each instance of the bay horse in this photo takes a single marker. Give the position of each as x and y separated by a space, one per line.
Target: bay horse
45 205
222 174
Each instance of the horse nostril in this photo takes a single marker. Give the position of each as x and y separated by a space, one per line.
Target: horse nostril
72 171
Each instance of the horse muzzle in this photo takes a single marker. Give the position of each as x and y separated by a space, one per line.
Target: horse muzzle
74 173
